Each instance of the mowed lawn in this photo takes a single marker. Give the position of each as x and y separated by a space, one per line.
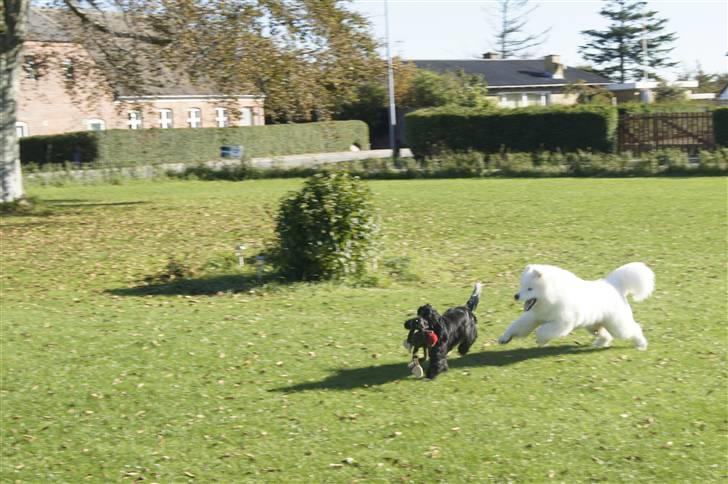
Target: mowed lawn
104 379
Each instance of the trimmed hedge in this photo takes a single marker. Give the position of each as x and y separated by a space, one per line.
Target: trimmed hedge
665 107
119 147
562 128
720 126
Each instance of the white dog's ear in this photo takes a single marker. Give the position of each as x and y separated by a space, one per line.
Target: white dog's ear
537 273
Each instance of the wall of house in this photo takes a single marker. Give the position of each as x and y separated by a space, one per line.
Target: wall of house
52 103
533 96
49 103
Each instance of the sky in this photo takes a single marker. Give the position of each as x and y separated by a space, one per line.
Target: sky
460 29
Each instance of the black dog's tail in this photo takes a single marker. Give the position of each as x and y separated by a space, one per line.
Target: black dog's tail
472 303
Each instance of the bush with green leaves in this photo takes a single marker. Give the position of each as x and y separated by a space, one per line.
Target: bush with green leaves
119 147
327 230
552 128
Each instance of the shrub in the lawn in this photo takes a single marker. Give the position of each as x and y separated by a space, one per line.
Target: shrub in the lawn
327 230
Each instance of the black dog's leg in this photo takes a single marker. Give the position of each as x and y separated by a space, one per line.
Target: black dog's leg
471 333
438 361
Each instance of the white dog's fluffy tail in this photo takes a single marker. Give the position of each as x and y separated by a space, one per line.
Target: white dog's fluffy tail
634 278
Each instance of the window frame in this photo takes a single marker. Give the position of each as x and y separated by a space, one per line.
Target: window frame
23 129
222 118
134 119
523 101
192 121
91 121
163 120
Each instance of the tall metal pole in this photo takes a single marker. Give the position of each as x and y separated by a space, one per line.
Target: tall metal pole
390 88
645 93
644 52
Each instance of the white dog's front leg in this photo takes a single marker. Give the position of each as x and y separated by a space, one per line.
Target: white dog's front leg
550 330
519 328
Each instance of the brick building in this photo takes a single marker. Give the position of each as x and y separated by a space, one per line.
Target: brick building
62 90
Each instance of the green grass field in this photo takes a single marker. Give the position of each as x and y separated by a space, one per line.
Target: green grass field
105 379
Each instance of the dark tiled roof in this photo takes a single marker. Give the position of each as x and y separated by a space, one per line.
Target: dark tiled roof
511 73
59 25
46 25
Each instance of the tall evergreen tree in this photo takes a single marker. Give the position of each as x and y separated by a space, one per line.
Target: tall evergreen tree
619 52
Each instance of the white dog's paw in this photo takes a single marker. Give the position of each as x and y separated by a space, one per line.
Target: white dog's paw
505 339
602 343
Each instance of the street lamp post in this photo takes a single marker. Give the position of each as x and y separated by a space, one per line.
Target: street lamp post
390 88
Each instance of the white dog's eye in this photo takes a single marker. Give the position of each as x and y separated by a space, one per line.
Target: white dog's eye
530 289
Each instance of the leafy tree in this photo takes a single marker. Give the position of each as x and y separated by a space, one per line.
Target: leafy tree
617 51
307 57
430 89
707 82
587 94
668 93
13 30
414 88
510 20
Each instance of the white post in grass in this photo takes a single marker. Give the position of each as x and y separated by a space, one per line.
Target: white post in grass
239 252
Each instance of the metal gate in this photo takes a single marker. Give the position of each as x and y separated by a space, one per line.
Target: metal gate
646 132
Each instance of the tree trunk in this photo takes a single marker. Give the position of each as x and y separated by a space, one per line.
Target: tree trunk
15 14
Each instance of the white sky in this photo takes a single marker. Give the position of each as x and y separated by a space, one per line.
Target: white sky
460 29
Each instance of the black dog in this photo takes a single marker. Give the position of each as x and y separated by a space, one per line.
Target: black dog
439 334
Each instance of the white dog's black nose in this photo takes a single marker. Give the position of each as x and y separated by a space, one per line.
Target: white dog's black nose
516 296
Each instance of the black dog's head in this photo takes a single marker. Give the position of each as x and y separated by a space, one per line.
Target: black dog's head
421 328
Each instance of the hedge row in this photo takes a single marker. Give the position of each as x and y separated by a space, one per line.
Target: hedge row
720 126
671 162
665 107
153 146
562 128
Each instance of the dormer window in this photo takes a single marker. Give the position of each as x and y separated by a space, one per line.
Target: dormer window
68 69
30 67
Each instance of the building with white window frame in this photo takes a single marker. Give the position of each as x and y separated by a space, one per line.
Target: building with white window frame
516 83
49 103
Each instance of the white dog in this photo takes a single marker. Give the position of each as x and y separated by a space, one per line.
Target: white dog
557 302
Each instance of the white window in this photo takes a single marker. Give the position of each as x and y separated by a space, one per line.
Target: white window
30 67
194 118
522 99
135 120
221 117
246 117
68 69
165 118
21 129
95 124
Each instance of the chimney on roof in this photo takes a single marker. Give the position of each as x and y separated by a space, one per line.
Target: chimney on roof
553 66
491 56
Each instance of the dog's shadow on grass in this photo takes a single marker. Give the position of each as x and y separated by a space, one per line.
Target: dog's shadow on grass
203 286
350 378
